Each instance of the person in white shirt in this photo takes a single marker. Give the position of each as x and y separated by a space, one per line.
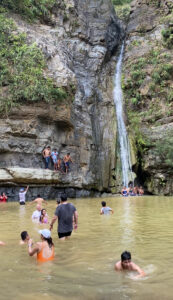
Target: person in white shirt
36 214
22 194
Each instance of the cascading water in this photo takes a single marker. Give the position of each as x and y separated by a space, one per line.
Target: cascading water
122 132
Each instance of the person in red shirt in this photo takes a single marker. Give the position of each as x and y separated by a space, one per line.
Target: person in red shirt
3 197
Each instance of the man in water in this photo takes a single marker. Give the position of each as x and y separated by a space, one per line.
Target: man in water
65 214
36 214
126 264
24 238
105 210
46 154
22 194
38 200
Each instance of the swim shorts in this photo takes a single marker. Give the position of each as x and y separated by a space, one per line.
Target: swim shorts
61 235
22 203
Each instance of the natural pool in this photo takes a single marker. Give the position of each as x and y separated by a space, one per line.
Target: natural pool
84 265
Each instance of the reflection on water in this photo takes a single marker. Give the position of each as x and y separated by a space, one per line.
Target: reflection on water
84 265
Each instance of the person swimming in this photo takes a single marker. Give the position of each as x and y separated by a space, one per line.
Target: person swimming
43 249
126 264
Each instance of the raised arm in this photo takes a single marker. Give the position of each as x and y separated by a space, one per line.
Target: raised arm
53 221
27 189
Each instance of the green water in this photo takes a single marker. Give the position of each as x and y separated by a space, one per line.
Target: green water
84 265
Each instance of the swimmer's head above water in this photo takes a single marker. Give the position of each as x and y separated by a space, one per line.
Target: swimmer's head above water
125 259
25 236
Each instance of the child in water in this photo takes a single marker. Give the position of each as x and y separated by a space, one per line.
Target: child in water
44 217
105 210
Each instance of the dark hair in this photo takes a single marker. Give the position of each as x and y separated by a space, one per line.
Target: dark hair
48 146
1 194
63 197
38 195
103 203
49 241
125 256
68 153
58 201
41 216
24 235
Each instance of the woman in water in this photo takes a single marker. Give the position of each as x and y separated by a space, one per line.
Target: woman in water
43 249
43 217
3 197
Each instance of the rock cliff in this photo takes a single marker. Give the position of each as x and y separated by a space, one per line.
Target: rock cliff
79 46
148 89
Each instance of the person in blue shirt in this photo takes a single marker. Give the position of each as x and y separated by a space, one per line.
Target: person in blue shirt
105 210
54 156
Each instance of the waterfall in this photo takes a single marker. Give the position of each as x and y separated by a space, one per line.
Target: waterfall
122 132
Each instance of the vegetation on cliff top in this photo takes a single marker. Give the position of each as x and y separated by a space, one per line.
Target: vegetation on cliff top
122 8
31 9
22 77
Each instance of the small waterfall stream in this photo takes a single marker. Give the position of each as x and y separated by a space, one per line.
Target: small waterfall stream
122 132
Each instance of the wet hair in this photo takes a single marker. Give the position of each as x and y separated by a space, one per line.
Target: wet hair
48 146
38 195
125 256
103 203
41 216
24 235
63 197
49 241
68 153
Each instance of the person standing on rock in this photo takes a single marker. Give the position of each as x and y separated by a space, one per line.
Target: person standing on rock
67 159
22 195
54 156
46 155
66 214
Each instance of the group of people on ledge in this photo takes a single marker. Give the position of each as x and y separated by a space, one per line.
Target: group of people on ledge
62 165
132 191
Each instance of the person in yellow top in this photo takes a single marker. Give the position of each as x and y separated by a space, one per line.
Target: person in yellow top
43 249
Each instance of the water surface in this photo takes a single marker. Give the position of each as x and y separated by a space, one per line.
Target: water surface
84 265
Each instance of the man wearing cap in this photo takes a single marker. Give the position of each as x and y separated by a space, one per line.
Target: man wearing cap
65 214
22 194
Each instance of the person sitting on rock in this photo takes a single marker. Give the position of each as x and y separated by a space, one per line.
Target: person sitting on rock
67 159
124 191
140 191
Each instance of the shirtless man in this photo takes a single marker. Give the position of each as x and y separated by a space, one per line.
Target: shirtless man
46 154
67 159
38 200
126 264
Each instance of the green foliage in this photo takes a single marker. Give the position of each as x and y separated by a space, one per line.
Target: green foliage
165 72
22 67
163 148
120 2
168 37
30 9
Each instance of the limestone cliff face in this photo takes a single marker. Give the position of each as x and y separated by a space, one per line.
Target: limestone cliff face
78 48
148 89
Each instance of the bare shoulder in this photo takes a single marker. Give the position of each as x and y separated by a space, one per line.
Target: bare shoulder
118 266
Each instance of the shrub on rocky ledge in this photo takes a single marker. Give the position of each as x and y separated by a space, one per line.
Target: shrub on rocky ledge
22 77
